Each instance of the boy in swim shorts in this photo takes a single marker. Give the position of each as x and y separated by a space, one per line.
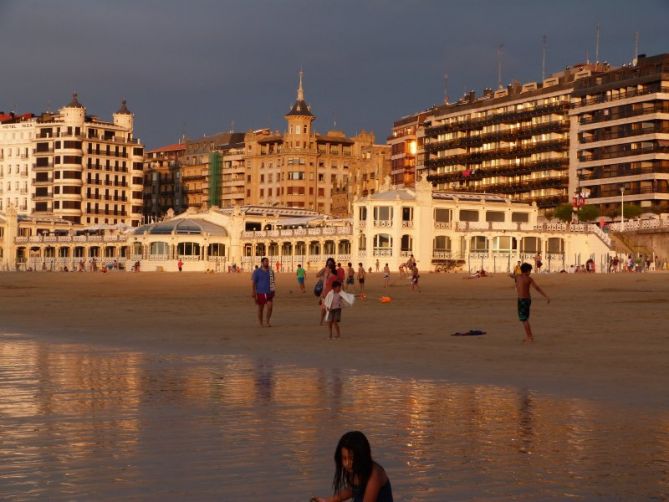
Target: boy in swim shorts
523 284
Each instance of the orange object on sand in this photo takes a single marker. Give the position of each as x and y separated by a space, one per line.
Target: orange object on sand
385 299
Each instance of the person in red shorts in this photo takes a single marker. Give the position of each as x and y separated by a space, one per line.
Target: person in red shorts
264 286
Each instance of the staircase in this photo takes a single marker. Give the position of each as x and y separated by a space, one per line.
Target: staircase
624 243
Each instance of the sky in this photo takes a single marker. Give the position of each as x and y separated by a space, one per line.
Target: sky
200 67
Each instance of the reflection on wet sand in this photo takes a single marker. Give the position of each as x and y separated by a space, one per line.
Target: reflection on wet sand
84 423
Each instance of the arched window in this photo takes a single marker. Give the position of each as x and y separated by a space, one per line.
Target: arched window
362 242
555 245
159 250
407 243
314 248
478 244
188 249
248 250
344 247
64 252
441 243
216 249
260 249
110 252
286 249
329 247
300 248
530 245
504 244
383 245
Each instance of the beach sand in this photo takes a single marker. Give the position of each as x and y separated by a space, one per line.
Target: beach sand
601 337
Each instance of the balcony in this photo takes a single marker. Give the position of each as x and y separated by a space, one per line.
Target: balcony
621 95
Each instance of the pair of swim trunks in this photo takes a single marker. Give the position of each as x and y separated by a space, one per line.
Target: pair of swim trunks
524 308
263 298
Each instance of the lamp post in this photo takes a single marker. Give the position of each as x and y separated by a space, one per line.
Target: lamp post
622 208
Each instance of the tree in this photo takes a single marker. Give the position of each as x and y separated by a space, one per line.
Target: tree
632 211
588 213
563 212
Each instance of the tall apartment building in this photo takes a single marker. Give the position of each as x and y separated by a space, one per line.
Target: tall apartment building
620 136
87 170
17 136
233 169
301 168
406 143
513 141
162 181
202 168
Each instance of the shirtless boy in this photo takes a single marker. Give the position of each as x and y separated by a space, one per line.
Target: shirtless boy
523 284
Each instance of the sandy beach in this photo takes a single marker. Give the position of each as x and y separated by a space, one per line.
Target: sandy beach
602 336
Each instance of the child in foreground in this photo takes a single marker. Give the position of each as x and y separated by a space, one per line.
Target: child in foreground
357 476
523 284
333 302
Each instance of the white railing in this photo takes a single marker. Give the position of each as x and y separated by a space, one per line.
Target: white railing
634 225
441 255
407 224
383 252
297 232
445 225
405 254
383 223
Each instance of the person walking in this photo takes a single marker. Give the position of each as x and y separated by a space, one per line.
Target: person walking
264 287
180 264
301 276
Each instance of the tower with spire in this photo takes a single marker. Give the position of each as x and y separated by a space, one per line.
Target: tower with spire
300 121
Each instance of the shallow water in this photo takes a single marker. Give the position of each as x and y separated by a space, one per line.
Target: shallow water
84 423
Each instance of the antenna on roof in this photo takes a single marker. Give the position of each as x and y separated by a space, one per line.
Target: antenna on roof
597 43
544 41
587 56
499 65
636 48
446 88
232 126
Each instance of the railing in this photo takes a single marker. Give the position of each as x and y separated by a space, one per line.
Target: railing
621 95
441 255
297 232
407 224
445 225
635 225
70 238
383 223
383 252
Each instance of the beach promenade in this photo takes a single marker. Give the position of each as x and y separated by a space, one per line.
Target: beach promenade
602 336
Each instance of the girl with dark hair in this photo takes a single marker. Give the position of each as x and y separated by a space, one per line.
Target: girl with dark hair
328 275
357 476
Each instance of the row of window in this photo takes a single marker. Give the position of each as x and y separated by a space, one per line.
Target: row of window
443 215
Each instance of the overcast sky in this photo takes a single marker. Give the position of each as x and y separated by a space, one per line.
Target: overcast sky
203 66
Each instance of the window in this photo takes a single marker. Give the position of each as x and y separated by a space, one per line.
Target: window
406 243
362 242
495 216
188 249
407 214
383 213
442 215
469 215
362 213
520 217
478 243
441 243
504 244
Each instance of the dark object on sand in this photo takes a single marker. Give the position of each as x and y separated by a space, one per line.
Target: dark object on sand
471 332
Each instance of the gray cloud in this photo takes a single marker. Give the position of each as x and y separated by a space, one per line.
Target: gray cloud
197 66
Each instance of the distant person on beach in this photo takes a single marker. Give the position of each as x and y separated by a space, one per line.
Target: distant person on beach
537 262
414 278
523 284
301 275
264 287
386 275
516 269
357 476
361 278
341 273
377 264
350 276
180 264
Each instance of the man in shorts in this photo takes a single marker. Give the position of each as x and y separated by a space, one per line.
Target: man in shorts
263 283
523 284
301 274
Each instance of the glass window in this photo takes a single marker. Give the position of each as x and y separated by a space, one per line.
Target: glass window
495 216
469 215
442 215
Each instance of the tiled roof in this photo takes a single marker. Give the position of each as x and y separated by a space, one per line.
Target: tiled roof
176 147
300 108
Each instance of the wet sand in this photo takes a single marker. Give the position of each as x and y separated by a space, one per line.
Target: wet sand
602 336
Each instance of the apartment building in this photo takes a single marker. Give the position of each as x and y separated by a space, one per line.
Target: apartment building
406 143
302 168
86 170
202 169
17 135
620 136
162 181
513 141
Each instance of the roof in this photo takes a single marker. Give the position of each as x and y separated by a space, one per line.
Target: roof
75 102
183 226
176 147
300 108
269 211
399 194
124 109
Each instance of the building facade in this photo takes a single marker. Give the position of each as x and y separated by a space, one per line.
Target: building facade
406 143
162 181
86 170
301 168
17 137
620 137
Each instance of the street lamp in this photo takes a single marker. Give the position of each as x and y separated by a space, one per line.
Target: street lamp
622 208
